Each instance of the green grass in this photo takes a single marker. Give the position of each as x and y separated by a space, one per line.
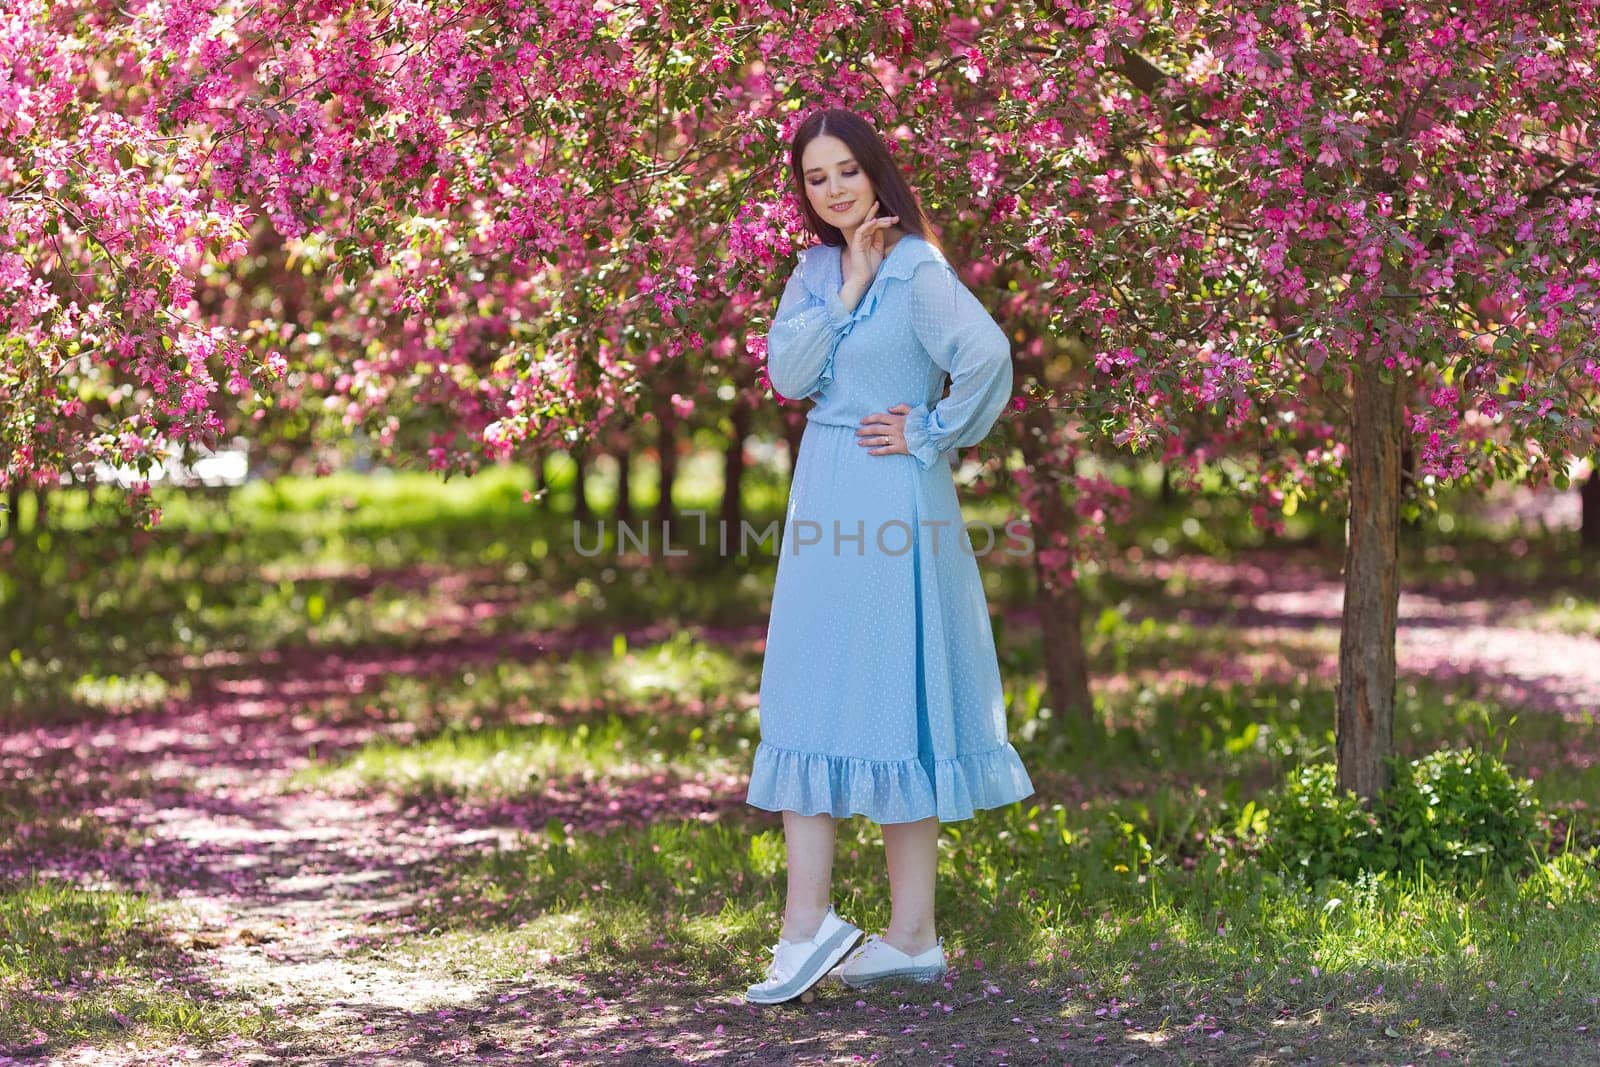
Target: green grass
80 964
516 761
502 729
1043 894
687 704
91 626
1565 613
1144 884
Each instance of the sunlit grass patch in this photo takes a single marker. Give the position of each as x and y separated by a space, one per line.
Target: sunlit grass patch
500 729
683 664
501 762
631 591
508 761
697 893
44 689
1569 613
633 932
1125 639
79 964
1403 947
136 689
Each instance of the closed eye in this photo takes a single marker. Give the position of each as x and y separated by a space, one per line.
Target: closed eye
847 174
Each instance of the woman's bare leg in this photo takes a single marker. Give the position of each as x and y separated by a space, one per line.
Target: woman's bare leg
913 853
809 839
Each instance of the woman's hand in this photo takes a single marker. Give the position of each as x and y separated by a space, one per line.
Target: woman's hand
884 434
866 246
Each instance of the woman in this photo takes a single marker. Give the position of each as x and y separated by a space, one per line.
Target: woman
880 689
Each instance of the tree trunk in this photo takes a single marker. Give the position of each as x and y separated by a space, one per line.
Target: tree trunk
541 480
13 510
667 459
623 512
41 515
793 430
1169 488
1364 729
733 471
1589 529
1066 663
1408 481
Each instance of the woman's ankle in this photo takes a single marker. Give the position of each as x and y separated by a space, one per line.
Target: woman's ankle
802 925
914 942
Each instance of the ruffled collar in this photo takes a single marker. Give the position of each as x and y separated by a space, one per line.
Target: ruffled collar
822 273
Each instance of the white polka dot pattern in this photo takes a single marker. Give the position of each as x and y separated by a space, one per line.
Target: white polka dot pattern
880 688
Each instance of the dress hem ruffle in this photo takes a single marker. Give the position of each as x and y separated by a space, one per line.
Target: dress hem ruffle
812 783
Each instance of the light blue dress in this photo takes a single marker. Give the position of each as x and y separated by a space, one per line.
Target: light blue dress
880 689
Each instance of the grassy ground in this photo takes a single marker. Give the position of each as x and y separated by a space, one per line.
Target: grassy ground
378 767
83 964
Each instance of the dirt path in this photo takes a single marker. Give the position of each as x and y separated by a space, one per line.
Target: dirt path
1446 633
285 890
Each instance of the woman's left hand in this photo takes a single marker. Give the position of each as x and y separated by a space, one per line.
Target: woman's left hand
884 434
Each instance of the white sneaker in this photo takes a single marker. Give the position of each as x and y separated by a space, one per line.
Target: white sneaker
878 961
798 965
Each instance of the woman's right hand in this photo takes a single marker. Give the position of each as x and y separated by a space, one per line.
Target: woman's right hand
866 248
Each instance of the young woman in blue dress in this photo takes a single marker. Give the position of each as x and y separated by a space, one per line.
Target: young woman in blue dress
852 189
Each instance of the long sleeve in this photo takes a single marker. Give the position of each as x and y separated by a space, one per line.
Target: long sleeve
960 337
803 337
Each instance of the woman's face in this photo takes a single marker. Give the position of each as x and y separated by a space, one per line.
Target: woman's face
832 177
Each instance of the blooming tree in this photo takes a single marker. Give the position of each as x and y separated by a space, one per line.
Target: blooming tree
1398 246
101 241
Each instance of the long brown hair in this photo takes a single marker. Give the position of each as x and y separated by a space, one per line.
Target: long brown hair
895 196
